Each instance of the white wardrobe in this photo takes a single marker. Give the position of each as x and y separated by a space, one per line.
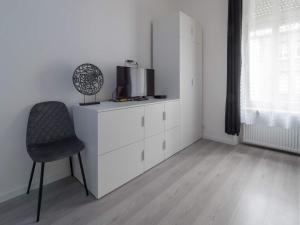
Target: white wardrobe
177 60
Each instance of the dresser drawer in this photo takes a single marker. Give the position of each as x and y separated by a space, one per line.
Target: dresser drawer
154 119
120 166
154 150
120 128
172 142
172 117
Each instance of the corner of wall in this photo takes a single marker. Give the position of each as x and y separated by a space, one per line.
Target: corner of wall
226 139
22 189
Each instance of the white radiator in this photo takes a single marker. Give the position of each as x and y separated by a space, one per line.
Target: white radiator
272 137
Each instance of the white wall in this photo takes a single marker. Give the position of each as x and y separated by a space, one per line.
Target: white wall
212 15
41 43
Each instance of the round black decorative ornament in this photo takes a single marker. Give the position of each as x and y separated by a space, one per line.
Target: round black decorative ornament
88 80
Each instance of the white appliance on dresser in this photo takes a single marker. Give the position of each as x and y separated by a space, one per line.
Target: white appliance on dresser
123 140
177 60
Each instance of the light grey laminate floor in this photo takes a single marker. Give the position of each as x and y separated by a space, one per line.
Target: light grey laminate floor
206 184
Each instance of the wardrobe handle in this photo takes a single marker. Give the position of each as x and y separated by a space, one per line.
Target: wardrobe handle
164 145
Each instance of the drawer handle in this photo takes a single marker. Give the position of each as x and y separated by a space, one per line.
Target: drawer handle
164 116
143 121
164 145
143 155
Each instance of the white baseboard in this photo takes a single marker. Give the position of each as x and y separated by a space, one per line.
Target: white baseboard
22 190
230 140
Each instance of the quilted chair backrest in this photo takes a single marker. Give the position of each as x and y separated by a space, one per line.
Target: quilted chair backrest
48 122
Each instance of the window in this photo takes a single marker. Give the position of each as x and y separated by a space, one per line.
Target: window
298 49
298 83
271 62
284 51
283 83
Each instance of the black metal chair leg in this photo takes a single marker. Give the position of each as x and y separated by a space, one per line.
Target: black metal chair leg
40 192
31 176
71 166
82 172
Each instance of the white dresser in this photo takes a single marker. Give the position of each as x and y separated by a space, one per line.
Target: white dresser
123 140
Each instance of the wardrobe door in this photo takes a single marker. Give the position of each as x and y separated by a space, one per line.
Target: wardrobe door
187 92
188 27
197 94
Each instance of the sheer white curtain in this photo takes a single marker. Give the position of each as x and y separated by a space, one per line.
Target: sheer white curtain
270 82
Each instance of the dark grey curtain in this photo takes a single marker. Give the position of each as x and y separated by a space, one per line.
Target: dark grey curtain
232 120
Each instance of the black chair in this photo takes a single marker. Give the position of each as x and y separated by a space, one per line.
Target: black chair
50 137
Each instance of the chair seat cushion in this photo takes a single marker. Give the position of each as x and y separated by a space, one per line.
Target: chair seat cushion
56 150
